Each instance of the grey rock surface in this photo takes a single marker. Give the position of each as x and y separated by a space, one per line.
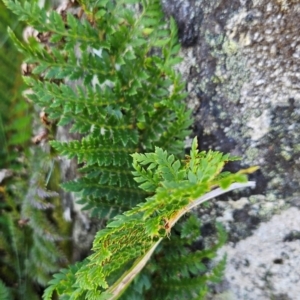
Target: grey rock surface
265 265
242 68
241 64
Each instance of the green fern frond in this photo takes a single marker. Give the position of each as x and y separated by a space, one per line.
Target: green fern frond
218 271
131 235
43 254
110 107
15 131
64 283
4 292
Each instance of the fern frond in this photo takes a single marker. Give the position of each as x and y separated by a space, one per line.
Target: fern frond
4 292
63 283
136 233
116 98
218 271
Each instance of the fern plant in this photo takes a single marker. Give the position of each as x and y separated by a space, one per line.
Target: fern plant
31 247
129 100
33 234
14 111
106 68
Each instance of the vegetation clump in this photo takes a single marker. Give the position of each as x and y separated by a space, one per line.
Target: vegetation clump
106 68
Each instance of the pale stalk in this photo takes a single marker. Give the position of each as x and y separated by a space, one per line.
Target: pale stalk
119 286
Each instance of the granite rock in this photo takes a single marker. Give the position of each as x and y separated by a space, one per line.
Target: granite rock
242 73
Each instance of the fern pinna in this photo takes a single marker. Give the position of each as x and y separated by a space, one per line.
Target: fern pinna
106 68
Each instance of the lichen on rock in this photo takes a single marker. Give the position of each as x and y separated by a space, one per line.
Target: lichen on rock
242 70
242 77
